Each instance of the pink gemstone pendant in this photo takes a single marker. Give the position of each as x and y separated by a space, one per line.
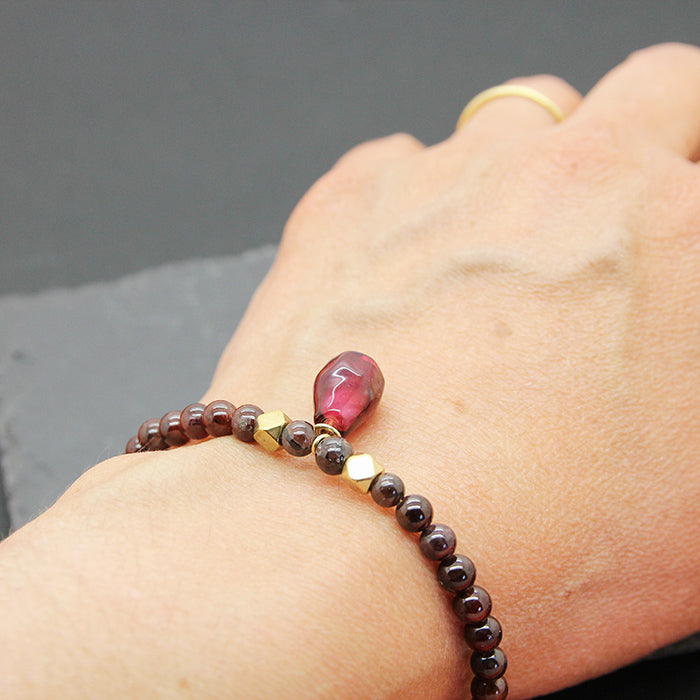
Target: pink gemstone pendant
347 390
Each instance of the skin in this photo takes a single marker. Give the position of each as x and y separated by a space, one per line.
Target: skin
531 291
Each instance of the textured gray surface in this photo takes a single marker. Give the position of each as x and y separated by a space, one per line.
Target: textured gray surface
133 133
80 369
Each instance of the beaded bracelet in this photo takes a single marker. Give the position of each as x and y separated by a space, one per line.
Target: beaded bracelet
346 392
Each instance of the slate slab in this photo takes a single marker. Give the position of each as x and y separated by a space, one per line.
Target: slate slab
80 368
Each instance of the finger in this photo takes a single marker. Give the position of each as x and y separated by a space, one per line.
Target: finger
652 97
510 115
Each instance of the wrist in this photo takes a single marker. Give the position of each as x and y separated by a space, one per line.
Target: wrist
223 567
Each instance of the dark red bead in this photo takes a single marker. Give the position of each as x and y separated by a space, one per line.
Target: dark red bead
243 421
192 421
332 453
217 417
437 541
171 430
485 636
489 665
414 513
133 446
472 604
456 573
489 690
297 438
387 490
347 391
149 436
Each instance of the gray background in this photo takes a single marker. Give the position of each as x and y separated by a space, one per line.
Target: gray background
138 133
145 146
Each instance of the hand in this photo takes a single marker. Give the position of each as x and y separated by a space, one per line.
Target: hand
531 292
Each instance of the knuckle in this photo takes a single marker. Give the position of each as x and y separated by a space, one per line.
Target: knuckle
383 148
673 53
403 141
356 177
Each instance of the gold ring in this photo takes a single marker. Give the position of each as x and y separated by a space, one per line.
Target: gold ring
509 91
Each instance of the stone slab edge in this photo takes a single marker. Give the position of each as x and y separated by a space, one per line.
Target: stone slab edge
81 368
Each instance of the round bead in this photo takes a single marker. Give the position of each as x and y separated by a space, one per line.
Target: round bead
133 446
484 636
489 690
243 421
437 541
149 435
472 605
217 417
489 665
332 453
414 513
297 438
171 429
192 421
387 490
456 573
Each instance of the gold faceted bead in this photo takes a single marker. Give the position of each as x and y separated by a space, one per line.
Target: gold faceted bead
360 470
268 429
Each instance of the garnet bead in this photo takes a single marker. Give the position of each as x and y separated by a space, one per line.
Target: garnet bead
485 636
192 421
414 513
171 429
472 605
149 435
437 541
489 665
133 446
217 417
387 490
297 438
243 421
456 573
332 453
347 391
489 690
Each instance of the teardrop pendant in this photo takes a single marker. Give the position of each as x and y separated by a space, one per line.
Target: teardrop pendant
347 391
